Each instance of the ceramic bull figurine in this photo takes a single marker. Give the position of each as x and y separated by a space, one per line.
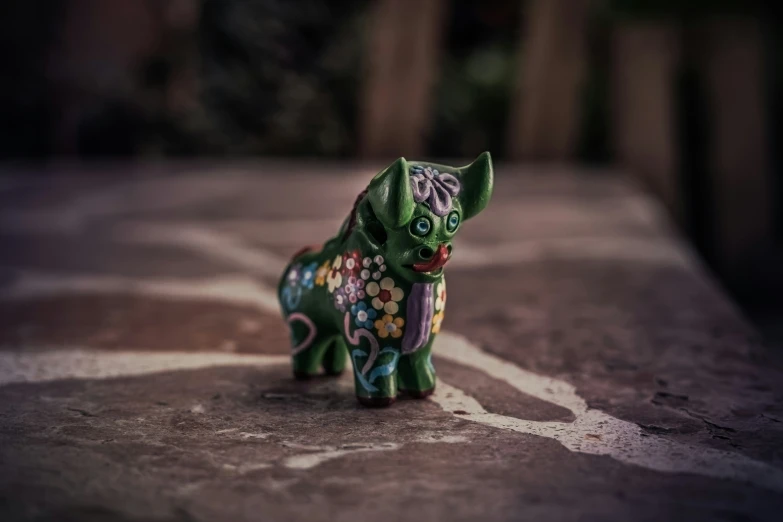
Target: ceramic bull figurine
375 293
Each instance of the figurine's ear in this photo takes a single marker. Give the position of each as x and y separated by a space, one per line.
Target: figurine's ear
390 195
475 185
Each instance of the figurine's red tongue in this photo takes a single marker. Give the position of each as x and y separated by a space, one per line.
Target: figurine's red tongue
438 260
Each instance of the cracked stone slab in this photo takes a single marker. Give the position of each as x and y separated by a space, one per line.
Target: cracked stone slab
599 374
499 397
692 357
226 444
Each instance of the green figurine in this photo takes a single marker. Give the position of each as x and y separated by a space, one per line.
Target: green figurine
375 292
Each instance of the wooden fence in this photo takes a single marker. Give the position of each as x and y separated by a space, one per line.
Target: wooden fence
686 101
710 168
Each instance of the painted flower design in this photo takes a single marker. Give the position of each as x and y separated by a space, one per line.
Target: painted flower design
294 274
291 294
354 289
436 188
372 267
385 295
335 279
321 273
352 263
340 300
307 278
440 299
437 321
389 326
362 316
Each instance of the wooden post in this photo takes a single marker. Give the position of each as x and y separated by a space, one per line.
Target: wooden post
545 105
100 45
646 57
401 68
739 160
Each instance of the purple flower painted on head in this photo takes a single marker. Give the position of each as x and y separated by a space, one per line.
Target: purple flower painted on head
435 188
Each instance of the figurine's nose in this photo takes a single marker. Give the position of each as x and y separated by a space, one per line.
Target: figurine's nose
443 250
435 259
426 253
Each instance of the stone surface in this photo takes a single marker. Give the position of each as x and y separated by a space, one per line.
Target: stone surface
116 322
590 369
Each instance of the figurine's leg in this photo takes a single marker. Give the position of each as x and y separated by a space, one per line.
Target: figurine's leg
416 374
309 344
336 357
375 375
307 362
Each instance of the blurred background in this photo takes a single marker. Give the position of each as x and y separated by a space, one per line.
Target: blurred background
685 97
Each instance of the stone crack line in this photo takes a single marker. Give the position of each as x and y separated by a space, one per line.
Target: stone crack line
54 363
592 432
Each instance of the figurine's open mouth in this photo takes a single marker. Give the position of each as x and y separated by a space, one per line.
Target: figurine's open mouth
434 266
436 272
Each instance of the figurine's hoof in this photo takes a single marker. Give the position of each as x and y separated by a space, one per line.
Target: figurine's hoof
303 376
332 373
376 402
418 394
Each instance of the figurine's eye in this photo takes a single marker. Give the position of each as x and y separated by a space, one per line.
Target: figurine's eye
452 222
421 226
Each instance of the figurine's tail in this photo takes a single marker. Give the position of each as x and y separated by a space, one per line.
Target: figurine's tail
302 251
